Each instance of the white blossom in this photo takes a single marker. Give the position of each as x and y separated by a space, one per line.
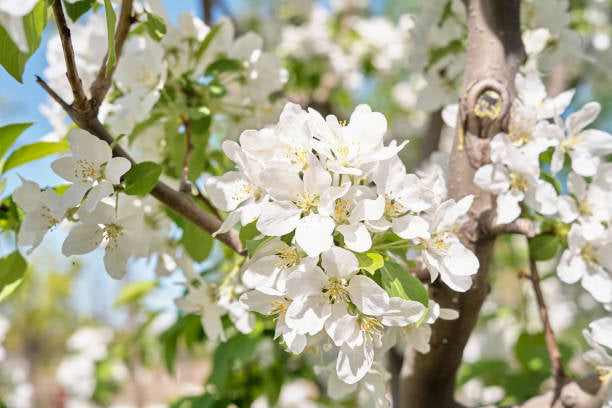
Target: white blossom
91 168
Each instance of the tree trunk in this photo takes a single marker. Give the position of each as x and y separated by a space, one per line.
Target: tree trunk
494 54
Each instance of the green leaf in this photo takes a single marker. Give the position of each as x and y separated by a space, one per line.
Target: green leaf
486 369
223 65
140 127
399 282
532 353
155 26
169 341
217 89
111 20
248 232
142 178
197 242
238 348
76 9
543 247
555 183
11 57
2 185
370 261
132 292
12 270
31 152
207 40
10 133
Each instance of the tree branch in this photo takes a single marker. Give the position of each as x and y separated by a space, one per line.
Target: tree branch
494 53
207 11
520 226
99 88
551 343
431 141
207 203
178 202
72 74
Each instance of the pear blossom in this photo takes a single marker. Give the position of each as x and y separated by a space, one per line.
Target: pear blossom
351 213
119 230
238 313
589 205
320 298
349 147
303 205
199 299
242 192
514 177
271 263
91 168
371 389
443 253
44 210
418 335
404 194
271 302
532 96
285 145
584 146
589 261
600 339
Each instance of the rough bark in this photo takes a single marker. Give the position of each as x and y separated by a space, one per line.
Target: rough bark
494 53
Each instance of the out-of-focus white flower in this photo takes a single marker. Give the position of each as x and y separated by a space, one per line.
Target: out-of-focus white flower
589 261
118 229
44 210
91 168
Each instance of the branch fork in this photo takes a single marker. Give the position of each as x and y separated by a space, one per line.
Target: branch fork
84 112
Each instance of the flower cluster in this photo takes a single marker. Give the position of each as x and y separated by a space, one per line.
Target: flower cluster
515 176
323 194
88 201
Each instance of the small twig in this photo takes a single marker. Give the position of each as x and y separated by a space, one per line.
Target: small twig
185 186
431 141
65 105
99 88
178 202
208 204
80 100
520 226
551 343
207 11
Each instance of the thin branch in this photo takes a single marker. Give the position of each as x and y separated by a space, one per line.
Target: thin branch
178 202
185 187
80 100
207 11
520 226
432 137
99 88
65 105
551 343
207 203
